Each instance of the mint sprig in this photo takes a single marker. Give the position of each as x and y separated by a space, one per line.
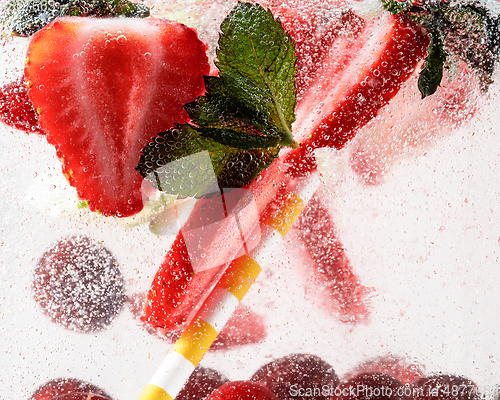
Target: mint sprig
245 116
233 167
25 17
458 30
216 116
254 59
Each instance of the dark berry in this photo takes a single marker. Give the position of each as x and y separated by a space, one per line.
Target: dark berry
303 376
201 383
65 386
242 390
445 387
372 386
400 368
79 285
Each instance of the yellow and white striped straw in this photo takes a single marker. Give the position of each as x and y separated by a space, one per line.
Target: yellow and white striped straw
195 341
202 331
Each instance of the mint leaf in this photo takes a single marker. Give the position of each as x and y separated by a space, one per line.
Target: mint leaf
25 17
256 60
431 76
215 115
232 167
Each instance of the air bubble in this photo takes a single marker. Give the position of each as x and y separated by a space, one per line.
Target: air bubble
121 40
148 55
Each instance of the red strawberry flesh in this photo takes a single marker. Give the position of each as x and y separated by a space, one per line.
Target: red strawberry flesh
16 109
176 291
357 78
314 34
409 125
104 88
334 279
244 327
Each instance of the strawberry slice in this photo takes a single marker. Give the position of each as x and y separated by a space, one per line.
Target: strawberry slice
16 109
358 77
314 34
409 125
334 280
244 327
103 89
176 290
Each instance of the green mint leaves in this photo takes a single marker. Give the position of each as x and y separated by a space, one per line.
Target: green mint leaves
25 17
245 116
431 76
252 102
233 167
458 31
254 59
216 115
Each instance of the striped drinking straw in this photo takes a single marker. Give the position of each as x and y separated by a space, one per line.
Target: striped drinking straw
241 273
